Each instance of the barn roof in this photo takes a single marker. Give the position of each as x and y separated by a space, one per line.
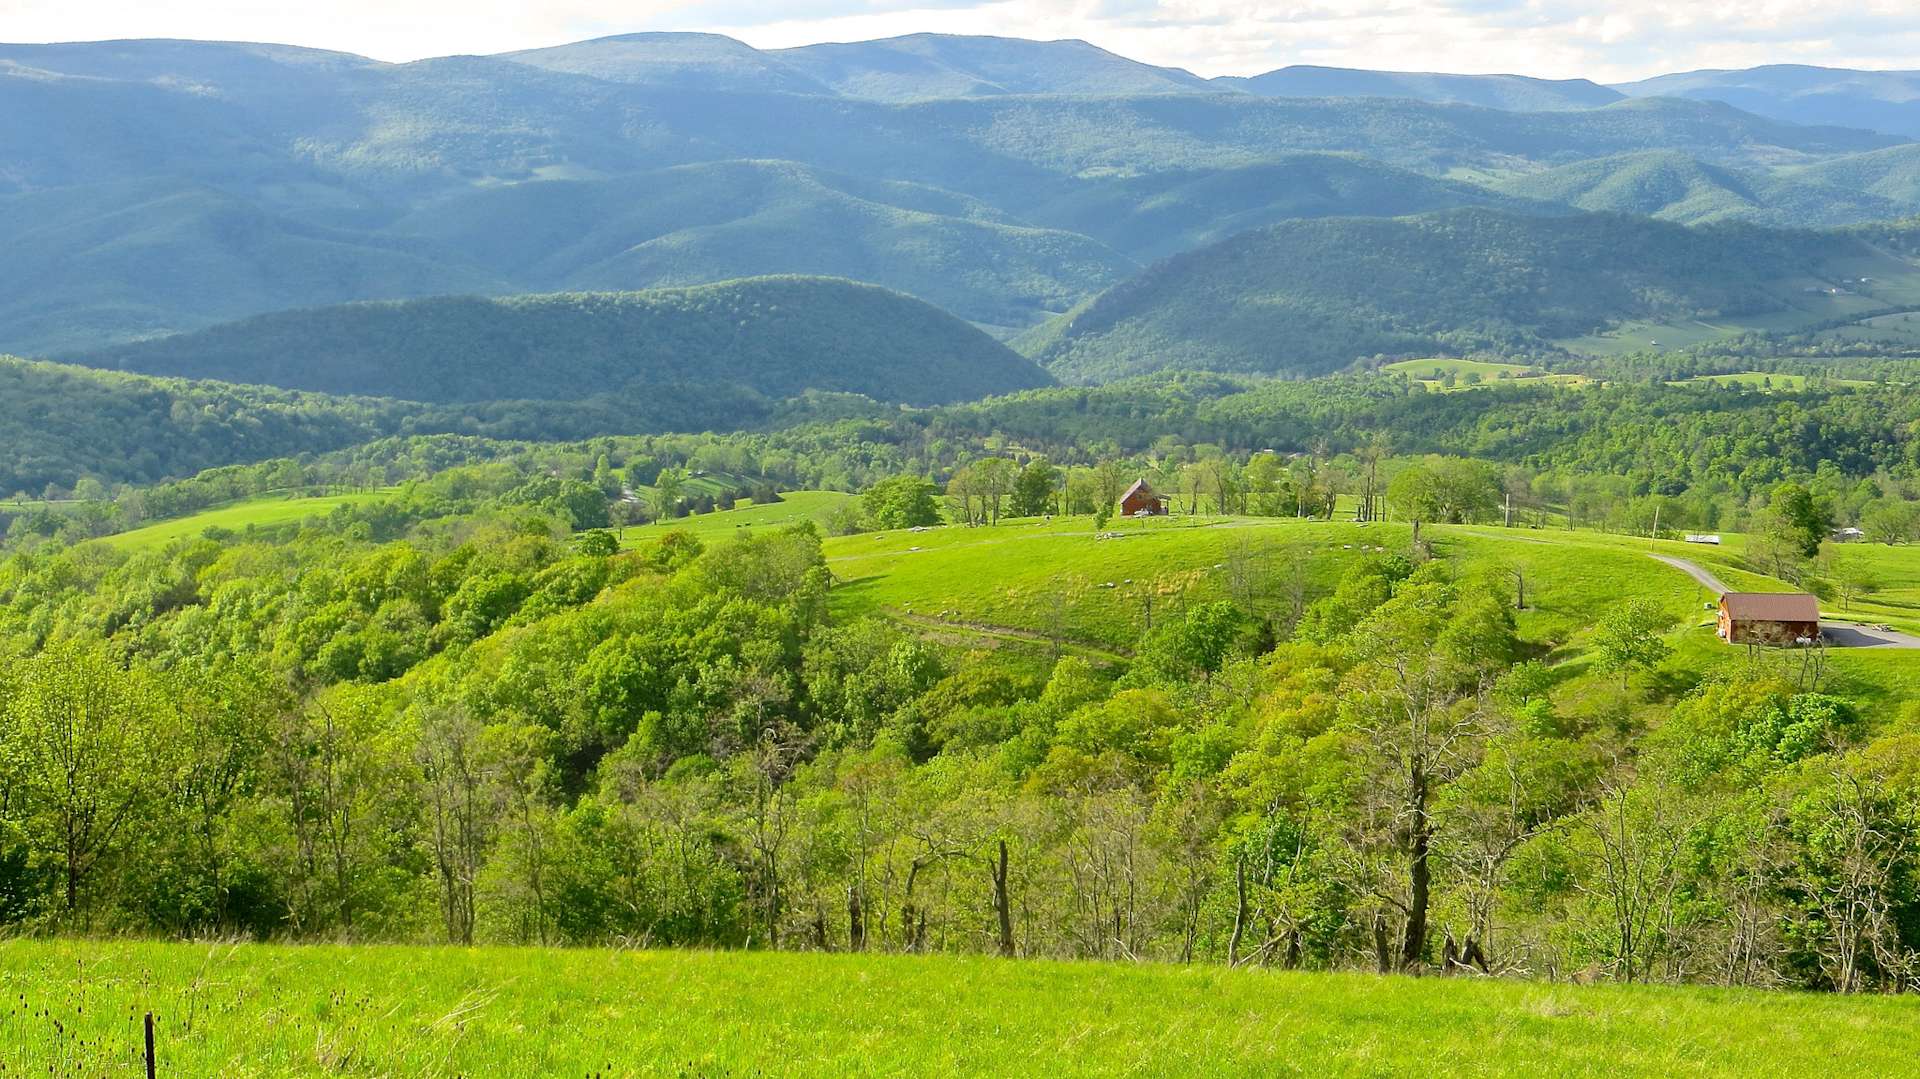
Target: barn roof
1139 488
1771 606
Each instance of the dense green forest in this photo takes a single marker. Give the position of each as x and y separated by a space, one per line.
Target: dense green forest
776 336
1307 297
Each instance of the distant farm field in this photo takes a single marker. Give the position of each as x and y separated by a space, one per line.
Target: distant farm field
1470 373
793 508
239 516
256 1010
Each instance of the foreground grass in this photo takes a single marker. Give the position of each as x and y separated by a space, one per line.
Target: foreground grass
74 1008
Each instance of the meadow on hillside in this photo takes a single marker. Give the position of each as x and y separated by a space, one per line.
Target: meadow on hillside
269 1011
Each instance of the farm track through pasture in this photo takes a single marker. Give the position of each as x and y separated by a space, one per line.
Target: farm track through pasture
1695 571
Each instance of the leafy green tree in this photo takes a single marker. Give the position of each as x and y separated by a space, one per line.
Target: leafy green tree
87 748
900 502
1631 636
1034 489
668 488
1796 518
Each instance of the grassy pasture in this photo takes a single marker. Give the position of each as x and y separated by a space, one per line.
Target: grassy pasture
1431 373
1042 582
239 516
1060 577
259 1010
793 507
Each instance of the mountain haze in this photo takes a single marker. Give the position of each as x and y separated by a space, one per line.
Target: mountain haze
1514 92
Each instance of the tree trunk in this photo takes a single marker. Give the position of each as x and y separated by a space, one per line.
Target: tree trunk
1002 904
856 921
1419 876
1239 910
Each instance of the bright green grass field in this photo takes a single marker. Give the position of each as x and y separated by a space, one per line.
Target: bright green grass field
1429 373
1060 577
238 516
257 1010
794 507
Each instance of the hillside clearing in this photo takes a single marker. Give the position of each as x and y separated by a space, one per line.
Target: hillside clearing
239 516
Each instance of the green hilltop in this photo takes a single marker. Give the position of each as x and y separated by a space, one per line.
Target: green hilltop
778 337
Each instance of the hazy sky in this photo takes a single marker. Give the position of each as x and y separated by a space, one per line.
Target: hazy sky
1615 40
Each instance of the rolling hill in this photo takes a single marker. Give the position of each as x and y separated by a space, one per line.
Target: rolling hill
1674 187
699 223
1308 297
924 66
1882 100
93 264
1168 212
680 61
1514 92
60 423
776 337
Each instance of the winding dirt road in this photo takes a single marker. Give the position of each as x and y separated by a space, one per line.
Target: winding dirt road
1838 634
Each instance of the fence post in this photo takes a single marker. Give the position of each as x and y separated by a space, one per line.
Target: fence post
150 1061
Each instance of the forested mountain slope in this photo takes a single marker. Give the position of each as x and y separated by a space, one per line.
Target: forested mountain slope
1307 297
1671 186
1164 213
778 337
170 185
699 223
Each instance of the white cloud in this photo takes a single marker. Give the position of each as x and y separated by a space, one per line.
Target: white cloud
1557 38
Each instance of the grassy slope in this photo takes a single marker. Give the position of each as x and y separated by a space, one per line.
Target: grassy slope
277 1011
793 507
1429 373
239 516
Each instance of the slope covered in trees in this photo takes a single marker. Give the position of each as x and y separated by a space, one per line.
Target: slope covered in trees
155 186
778 337
1674 187
1307 297
708 222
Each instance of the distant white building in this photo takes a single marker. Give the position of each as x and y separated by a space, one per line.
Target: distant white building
1695 537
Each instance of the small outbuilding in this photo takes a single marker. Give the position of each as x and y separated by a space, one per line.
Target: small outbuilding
1772 618
1140 501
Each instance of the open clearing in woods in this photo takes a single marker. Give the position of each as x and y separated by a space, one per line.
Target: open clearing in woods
75 1008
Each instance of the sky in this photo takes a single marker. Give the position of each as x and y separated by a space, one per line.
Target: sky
1606 41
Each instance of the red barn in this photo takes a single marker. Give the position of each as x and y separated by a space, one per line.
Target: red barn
1140 501
1777 618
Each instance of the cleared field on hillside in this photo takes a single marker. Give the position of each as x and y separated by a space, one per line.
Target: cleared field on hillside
1469 374
239 516
1061 577
793 507
260 1010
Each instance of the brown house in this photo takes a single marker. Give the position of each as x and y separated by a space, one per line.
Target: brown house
1140 501
1776 618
